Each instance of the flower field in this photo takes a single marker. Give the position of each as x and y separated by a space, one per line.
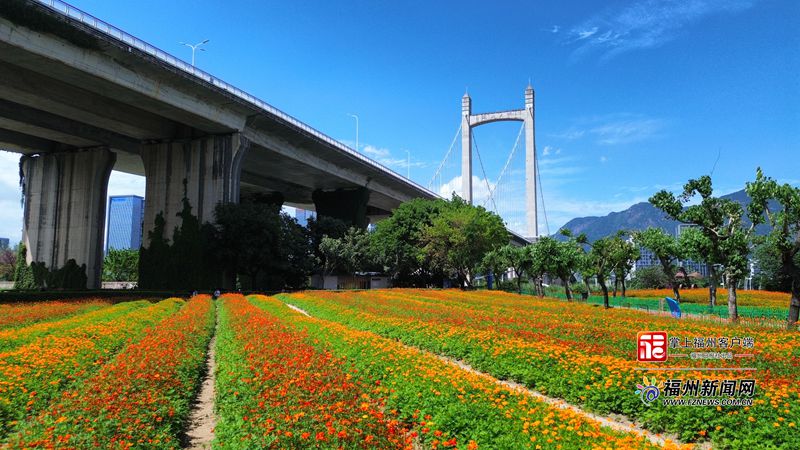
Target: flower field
140 398
580 353
446 406
400 368
21 314
700 295
38 364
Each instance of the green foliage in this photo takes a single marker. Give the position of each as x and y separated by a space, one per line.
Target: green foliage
784 240
37 276
559 259
23 274
460 236
399 240
268 248
720 238
348 254
770 274
601 260
321 227
121 265
652 277
667 250
509 256
187 262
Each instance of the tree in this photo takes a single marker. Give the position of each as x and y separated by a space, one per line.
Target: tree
770 274
652 277
537 257
8 263
398 243
348 254
624 255
785 235
121 265
665 248
721 238
460 236
599 261
509 256
559 259
321 227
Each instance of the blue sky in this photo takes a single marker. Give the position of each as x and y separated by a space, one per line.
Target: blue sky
631 96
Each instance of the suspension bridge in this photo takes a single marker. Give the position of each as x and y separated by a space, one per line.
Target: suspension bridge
515 193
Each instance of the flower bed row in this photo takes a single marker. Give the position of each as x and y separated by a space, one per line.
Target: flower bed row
275 390
700 295
578 353
21 314
11 338
33 375
457 408
141 398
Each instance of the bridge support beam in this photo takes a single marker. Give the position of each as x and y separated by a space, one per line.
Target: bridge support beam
65 208
348 205
205 170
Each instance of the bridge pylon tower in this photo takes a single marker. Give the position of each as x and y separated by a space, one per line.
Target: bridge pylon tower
526 115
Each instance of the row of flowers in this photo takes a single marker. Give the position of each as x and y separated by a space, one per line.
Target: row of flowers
456 408
11 338
583 354
700 295
277 390
141 398
34 374
21 314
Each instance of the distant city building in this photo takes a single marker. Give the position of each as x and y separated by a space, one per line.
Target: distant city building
303 215
124 225
4 243
688 264
646 259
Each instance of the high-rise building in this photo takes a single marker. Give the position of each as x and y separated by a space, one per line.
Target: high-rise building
4 243
124 224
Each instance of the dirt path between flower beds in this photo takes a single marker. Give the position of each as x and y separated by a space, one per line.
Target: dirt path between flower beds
615 421
202 419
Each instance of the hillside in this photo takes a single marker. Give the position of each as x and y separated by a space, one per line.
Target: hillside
639 217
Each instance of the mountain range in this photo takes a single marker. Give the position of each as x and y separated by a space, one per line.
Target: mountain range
642 216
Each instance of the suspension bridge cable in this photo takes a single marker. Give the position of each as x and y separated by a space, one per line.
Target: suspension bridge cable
447 155
488 187
541 193
508 161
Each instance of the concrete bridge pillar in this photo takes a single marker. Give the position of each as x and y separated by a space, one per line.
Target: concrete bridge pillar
65 208
348 205
205 169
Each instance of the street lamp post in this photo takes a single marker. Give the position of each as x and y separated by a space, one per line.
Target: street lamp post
195 47
355 117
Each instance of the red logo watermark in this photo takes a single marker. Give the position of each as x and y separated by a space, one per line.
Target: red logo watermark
651 346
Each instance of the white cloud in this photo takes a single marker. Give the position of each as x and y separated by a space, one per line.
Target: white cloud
603 159
555 29
385 157
546 150
615 129
585 34
626 131
645 24
121 183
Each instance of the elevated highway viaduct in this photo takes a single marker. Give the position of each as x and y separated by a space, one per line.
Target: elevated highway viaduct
79 97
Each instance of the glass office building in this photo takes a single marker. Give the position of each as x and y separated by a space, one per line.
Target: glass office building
124 224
